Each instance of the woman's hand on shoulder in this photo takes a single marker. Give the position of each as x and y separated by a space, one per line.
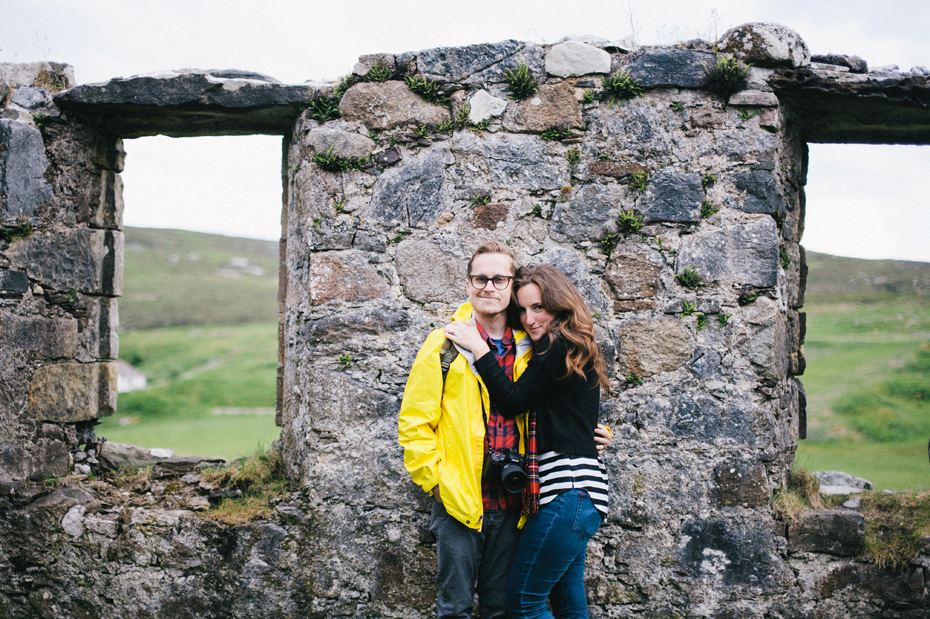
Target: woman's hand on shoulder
466 335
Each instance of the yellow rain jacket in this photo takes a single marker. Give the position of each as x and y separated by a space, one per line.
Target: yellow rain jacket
443 433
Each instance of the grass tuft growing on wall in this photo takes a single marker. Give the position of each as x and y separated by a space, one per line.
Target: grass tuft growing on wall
260 478
894 526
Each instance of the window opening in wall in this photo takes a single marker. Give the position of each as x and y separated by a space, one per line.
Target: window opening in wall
868 314
199 311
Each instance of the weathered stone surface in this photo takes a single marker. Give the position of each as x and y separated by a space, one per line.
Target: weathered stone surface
488 216
31 98
762 194
191 102
855 64
634 272
672 196
338 329
409 194
554 105
836 532
484 106
683 68
906 590
514 162
23 188
755 98
343 143
106 203
742 484
389 105
41 74
839 478
578 271
587 216
385 61
13 281
429 274
49 338
60 501
742 253
765 45
70 392
330 279
737 553
89 261
650 347
576 58
176 467
114 456
614 170
457 64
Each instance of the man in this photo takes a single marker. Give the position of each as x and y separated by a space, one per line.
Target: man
448 426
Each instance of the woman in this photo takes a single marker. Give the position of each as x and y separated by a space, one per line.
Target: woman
561 389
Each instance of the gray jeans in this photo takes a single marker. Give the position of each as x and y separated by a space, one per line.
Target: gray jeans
471 561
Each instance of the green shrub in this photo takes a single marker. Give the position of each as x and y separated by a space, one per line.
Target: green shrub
522 83
727 77
689 278
428 89
620 86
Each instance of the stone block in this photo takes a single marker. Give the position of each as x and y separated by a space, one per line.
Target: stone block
614 170
428 274
339 329
483 106
114 456
770 46
186 465
409 194
44 459
488 216
855 64
650 347
587 216
106 203
836 532
471 63
72 392
762 192
89 261
905 591
554 105
46 337
741 484
575 58
22 170
682 68
744 254
767 345
31 98
672 196
389 105
43 74
13 281
109 154
756 98
331 279
633 272
60 501
343 143
517 162
385 61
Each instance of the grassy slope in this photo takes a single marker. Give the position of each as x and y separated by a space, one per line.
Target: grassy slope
175 277
868 371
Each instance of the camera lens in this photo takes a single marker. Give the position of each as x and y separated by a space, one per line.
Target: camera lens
513 477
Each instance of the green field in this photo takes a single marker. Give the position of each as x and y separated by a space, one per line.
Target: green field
868 370
192 371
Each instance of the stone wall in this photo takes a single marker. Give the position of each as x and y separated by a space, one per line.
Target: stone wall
706 408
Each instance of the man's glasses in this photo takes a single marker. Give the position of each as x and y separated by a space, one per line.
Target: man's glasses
481 281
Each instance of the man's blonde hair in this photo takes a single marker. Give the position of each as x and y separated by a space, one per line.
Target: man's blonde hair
495 247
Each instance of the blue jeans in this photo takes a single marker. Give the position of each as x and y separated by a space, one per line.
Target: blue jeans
550 559
472 561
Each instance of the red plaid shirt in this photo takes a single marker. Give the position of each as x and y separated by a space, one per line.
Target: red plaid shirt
502 433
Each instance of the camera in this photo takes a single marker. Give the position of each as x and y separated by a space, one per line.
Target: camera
510 464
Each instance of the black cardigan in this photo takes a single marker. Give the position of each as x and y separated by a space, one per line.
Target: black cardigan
566 407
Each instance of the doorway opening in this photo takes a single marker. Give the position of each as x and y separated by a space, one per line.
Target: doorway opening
868 314
199 311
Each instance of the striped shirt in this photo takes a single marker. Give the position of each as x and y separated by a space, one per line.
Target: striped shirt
560 472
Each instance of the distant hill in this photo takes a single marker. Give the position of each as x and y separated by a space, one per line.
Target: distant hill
180 278
834 279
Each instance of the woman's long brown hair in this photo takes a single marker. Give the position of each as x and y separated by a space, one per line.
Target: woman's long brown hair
572 321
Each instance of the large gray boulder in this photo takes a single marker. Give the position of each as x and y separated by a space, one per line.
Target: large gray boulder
770 46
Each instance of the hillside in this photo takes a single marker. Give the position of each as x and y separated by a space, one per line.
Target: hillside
181 278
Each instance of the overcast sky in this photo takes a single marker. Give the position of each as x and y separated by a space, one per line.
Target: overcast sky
863 201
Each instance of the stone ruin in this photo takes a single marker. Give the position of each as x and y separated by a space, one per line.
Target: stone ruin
382 207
